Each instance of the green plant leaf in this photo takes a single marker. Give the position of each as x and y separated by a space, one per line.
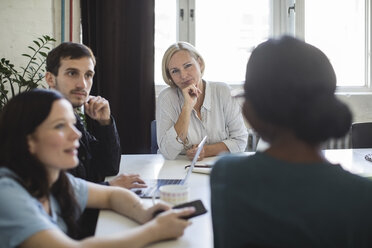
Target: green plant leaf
32 48
30 76
48 38
43 54
26 55
37 43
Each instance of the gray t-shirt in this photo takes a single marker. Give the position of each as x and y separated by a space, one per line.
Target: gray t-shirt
22 215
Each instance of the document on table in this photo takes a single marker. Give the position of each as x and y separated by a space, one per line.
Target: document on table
204 168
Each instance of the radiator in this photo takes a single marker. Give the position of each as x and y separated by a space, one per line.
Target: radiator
253 139
340 143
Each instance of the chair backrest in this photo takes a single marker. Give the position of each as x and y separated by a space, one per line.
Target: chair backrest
154 141
361 135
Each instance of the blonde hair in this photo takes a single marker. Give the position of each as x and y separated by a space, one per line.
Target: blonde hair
181 45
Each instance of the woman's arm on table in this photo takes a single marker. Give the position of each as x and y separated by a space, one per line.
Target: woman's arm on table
208 150
168 113
166 226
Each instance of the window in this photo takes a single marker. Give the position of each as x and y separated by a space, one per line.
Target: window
225 32
230 31
228 35
339 28
165 32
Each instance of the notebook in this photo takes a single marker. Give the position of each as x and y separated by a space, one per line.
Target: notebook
154 184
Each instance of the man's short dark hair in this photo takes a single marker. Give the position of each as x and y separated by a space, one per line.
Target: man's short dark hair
67 50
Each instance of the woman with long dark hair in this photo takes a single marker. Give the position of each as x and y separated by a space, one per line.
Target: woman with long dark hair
40 203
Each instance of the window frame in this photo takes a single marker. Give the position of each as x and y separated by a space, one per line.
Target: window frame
283 21
300 33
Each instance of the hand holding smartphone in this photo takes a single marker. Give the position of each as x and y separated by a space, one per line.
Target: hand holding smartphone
197 204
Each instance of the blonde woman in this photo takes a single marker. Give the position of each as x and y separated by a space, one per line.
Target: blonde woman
192 107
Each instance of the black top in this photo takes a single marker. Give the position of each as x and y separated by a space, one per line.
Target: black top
99 151
260 201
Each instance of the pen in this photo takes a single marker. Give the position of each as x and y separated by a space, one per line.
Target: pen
199 166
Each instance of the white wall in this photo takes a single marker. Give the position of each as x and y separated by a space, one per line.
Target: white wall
360 104
22 21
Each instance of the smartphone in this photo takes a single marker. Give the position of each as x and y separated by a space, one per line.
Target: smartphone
197 204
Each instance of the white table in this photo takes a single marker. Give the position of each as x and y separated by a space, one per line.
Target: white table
352 160
200 233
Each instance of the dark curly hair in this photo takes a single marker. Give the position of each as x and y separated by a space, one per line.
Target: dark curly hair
20 118
291 84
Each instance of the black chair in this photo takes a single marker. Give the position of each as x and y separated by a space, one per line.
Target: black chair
154 142
361 135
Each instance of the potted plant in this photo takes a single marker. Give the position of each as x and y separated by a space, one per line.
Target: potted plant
14 81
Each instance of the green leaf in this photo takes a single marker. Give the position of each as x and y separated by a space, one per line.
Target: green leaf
32 48
12 81
37 43
48 38
26 55
43 54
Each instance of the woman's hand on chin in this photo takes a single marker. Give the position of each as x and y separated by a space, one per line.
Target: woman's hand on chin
191 94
